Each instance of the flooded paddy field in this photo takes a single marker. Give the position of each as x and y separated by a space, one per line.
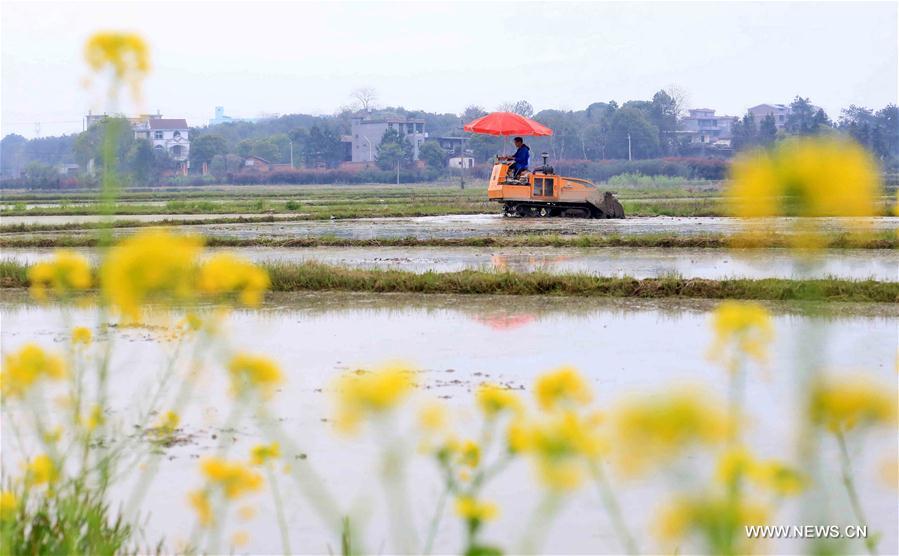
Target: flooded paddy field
637 262
456 343
462 226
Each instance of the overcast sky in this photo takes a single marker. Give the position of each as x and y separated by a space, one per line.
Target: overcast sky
256 57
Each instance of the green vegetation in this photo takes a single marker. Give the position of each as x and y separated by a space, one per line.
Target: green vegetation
317 276
883 240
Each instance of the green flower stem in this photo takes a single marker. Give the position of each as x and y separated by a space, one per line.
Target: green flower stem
541 519
435 521
849 483
279 508
613 508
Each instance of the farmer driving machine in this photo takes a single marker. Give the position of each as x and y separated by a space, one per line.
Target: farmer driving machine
544 193
540 192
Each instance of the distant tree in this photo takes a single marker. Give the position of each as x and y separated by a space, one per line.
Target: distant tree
663 114
886 143
38 174
245 148
267 149
393 150
12 150
218 167
644 136
767 132
521 107
204 148
473 112
365 97
679 99
141 162
433 154
323 148
805 118
744 133
106 141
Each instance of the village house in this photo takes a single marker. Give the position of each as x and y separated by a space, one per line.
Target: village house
702 126
366 134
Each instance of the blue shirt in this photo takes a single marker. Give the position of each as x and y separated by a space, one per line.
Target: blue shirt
522 155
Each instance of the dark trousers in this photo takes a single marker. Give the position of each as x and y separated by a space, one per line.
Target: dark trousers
516 170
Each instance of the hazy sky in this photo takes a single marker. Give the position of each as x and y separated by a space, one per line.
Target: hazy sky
254 57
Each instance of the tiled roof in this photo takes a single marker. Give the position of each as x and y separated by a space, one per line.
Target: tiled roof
168 123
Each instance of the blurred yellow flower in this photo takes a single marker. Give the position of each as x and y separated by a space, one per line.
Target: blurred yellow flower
475 510
23 368
155 265
225 273
742 329
82 335
562 446
8 505
262 453
254 373
246 513
651 430
493 399
737 463
94 419
41 470
169 422
362 393
65 273
126 55
234 478
562 387
845 403
719 518
199 501
432 417
812 176
240 538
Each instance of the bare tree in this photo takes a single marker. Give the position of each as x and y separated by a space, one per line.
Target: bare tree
522 108
366 97
679 96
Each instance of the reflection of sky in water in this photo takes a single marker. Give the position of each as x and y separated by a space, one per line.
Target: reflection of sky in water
622 346
880 264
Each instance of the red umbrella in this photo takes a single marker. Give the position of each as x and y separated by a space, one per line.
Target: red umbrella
506 123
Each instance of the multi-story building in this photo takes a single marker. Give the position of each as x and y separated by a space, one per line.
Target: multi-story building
780 112
366 134
703 126
166 134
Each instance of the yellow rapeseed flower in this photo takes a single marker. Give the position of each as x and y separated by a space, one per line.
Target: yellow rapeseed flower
64 274
493 400
199 501
41 470
742 329
562 387
125 55
254 373
226 273
562 446
475 510
361 394
8 505
82 335
94 418
807 177
168 423
432 417
845 403
262 453
23 368
737 463
155 265
719 518
234 478
240 538
654 429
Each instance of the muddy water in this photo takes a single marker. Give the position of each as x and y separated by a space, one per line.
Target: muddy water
474 225
92 218
879 264
458 342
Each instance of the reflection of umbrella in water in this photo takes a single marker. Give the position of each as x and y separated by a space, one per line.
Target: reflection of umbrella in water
506 322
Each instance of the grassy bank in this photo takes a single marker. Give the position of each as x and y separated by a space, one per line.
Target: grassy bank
310 276
882 240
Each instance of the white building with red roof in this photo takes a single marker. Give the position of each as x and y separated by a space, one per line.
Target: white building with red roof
167 134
